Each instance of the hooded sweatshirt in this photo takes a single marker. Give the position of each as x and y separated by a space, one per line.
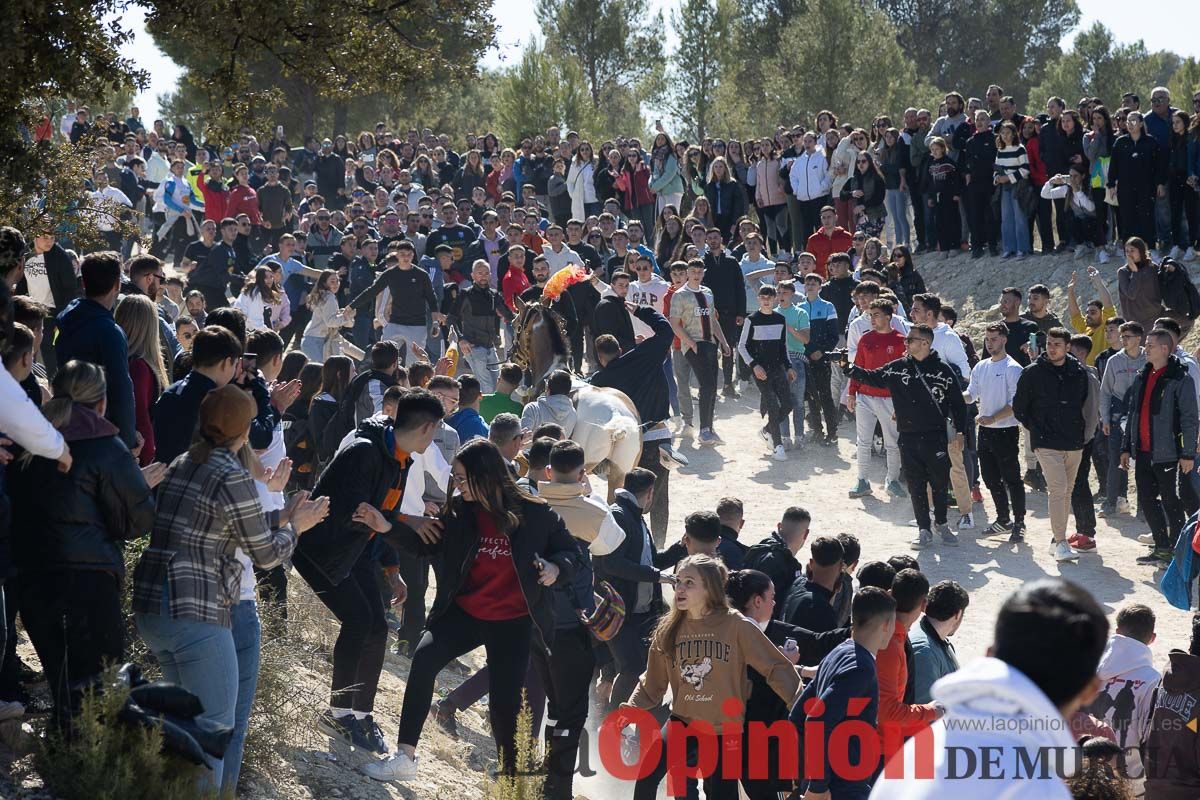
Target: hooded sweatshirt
556 408
1172 748
1128 681
989 704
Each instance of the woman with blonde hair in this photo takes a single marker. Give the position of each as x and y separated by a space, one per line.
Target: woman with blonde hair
327 318
138 317
700 650
841 165
726 202
257 299
68 529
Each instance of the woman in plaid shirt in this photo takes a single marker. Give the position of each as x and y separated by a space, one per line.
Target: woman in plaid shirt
189 577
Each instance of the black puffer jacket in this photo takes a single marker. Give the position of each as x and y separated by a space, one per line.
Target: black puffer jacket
79 520
362 473
541 531
1049 403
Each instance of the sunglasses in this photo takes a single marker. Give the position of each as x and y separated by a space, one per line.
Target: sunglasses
911 339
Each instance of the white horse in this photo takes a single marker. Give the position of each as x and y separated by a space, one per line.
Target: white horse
608 427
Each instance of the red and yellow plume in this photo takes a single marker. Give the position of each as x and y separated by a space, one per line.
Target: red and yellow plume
559 281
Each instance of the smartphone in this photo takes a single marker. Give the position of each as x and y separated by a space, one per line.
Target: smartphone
1032 345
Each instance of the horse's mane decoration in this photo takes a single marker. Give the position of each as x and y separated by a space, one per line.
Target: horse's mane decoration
559 281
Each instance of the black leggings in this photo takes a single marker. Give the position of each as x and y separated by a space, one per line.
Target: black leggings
74 620
362 640
451 635
1000 463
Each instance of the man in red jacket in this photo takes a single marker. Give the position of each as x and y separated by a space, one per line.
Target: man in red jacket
870 404
899 717
830 238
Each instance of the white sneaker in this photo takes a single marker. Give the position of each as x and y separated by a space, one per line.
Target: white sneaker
1122 505
1102 256
1146 538
966 522
780 454
11 710
397 767
1063 552
1189 254
1176 253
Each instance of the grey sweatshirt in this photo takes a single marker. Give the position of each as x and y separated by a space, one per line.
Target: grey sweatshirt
1119 374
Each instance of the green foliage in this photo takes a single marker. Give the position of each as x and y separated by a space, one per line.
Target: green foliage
271 54
1185 83
1097 66
800 78
540 90
705 31
527 783
109 760
968 44
617 43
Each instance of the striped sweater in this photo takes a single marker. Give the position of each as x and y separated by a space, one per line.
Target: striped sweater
1012 162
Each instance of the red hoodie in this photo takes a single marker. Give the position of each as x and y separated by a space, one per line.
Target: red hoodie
822 246
875 350
512 284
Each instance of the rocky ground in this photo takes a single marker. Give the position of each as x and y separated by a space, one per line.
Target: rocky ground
308 766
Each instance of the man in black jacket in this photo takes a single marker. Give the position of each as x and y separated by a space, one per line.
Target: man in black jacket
775 556
638 373
724 276
809 602
633 571
476 318
927 397
212 277
1049 403
612 316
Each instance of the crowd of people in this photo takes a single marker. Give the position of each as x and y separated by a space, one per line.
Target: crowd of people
311 365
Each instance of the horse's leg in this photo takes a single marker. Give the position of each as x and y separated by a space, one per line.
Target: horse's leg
616 480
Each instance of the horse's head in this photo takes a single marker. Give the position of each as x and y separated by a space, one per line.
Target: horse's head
541 345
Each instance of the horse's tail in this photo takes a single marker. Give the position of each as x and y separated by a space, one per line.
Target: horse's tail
626 441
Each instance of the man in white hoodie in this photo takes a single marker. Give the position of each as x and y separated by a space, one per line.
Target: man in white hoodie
1128 680
1005 733
554 406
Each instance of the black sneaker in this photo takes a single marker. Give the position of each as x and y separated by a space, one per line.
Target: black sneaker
1018 533
829 441
344 728
1149 558
369 737
443 715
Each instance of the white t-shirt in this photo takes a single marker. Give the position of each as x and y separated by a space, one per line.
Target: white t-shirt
108 196
38 280
271 501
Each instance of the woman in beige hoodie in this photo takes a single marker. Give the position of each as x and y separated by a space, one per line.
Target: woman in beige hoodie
701 649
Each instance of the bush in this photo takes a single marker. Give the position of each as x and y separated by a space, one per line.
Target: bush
109 760
527 783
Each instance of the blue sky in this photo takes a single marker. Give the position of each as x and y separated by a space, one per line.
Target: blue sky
1172 26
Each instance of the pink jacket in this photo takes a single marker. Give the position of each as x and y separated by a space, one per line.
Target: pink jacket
768 190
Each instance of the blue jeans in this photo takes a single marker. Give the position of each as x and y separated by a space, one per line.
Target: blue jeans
1014 227
672 388
484 364
313 347
200 657
247 638
800 364
1116 482
897 209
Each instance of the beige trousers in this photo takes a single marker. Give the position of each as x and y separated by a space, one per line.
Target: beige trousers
1059 468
